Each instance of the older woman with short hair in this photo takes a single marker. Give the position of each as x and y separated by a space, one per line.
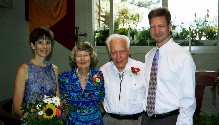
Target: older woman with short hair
84 86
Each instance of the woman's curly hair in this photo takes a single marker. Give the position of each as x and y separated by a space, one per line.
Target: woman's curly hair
83 46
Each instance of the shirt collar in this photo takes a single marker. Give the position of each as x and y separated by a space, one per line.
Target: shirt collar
163 49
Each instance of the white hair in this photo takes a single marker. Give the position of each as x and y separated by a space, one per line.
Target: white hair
117 36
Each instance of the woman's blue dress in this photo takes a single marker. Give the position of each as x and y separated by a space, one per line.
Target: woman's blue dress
86 103
41 81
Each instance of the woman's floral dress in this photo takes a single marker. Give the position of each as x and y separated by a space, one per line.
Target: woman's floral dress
85 104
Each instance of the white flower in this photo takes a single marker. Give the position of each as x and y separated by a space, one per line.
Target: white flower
38 106
97 79
40 113
48 100
45 97
56 100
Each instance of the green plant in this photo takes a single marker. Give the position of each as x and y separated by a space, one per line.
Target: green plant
144 38
122 31
144 34
206 119
203 28
133 32
206 27
210 32
183 34
101 37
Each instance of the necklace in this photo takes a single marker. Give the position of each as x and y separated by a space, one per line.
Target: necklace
83 78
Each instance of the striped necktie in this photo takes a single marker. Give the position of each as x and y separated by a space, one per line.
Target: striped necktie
152 85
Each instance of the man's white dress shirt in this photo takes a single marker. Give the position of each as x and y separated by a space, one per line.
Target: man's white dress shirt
133 88
175 81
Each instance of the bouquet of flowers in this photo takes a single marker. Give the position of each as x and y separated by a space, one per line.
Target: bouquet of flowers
48 111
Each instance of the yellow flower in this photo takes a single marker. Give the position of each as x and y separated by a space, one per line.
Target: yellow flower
49 111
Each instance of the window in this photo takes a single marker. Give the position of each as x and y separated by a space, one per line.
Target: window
102 17
194 22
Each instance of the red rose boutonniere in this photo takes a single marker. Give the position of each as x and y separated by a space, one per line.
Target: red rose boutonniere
135 70
96 79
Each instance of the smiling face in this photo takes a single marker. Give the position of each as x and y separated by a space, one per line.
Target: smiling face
83 59
119 53
42 47
160 30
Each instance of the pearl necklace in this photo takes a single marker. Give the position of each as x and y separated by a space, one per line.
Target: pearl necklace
81 77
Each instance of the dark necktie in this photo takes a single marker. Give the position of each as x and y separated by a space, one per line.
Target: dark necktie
121 78
152 85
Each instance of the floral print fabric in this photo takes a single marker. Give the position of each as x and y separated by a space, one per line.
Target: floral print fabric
41 81
86 103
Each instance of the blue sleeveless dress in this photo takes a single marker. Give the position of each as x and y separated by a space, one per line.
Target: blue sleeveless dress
85 103
41 81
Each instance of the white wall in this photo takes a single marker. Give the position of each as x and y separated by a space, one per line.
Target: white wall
13 45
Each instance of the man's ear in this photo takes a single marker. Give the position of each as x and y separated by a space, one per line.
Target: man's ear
130 53
110 56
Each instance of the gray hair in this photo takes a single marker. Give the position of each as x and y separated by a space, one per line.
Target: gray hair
117 36
83 46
